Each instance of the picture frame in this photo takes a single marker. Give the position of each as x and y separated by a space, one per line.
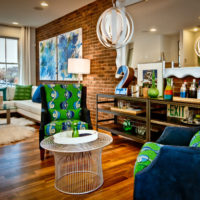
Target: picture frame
145 74
48 59
69 45
54 54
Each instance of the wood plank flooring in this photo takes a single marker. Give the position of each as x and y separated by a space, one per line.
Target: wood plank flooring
24 177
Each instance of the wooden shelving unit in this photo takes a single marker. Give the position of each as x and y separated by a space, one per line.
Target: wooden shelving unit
152 117
112 124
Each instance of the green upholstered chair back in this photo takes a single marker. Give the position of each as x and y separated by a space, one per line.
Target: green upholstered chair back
63 101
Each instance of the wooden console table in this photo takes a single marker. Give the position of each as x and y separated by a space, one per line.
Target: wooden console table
153 117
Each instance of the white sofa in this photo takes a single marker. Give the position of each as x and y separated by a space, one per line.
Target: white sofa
26 108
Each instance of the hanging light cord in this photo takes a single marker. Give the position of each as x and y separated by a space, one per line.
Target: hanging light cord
114 3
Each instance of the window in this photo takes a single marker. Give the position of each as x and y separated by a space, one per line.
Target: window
9 62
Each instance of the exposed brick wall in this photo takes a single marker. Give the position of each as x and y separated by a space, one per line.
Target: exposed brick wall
102 77
103 67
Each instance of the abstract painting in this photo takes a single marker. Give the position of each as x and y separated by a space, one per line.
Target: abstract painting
69 46
48 60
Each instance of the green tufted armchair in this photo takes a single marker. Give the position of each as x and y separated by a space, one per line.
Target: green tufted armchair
62 106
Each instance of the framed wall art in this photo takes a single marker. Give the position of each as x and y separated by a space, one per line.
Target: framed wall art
69 46
48 59
145 74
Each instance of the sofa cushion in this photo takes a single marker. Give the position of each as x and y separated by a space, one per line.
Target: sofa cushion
29 106
195 141
36 97
147 154
23 92
4 90
63 125
10 93
180 136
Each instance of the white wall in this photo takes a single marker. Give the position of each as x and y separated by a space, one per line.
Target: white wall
188 48
9 31
146 48
169 45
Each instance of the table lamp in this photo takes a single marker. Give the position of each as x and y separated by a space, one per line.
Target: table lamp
78 66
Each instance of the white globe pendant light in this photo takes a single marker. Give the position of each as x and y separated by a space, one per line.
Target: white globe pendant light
115 28
197 47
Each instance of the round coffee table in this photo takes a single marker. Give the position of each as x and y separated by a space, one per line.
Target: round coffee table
78 168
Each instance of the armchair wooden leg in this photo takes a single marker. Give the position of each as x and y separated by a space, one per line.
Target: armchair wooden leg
42 152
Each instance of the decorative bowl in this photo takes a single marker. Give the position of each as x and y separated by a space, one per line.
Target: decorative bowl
84 137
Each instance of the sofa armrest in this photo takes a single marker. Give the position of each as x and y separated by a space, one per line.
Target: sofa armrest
85 116
177 136
174 175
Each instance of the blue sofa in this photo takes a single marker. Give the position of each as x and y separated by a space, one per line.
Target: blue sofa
175 172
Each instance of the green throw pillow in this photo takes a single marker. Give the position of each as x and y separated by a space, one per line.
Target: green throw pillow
195 141
147 154
4 92
23 92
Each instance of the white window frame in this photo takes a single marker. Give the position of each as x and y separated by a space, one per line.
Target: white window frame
8 63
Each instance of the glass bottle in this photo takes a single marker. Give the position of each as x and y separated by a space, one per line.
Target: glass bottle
198 91
193 90
75 132
183 92
153 92
168 93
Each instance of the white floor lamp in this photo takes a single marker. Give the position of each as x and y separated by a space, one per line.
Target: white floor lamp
78 66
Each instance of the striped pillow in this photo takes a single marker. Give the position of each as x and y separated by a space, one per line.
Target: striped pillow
23 92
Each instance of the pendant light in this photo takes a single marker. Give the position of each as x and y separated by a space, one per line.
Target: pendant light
115 27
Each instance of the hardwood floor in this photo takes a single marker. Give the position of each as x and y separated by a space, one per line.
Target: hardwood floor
24 177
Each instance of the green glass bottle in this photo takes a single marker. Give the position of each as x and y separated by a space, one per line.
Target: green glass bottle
75 132
153 92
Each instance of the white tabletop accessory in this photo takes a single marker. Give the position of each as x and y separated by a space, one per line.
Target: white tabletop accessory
84 137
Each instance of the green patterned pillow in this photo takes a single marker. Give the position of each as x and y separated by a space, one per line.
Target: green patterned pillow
195 141
64 114
23 92
147 154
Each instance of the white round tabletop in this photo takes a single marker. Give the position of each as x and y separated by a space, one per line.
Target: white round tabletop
102 141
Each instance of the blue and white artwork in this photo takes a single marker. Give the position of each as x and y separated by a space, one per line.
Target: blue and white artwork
48 60
69 46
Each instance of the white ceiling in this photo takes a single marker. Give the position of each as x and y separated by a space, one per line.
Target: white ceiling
23 12
168 16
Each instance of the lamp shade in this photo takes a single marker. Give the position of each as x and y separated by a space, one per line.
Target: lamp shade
78 66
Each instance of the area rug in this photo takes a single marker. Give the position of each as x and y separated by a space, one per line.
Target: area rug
17 130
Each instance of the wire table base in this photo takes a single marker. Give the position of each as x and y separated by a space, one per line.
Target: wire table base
78 168
78 173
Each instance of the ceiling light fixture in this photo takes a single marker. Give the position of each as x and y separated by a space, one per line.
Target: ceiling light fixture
153 30
15 23
115 27
195 29
44 4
